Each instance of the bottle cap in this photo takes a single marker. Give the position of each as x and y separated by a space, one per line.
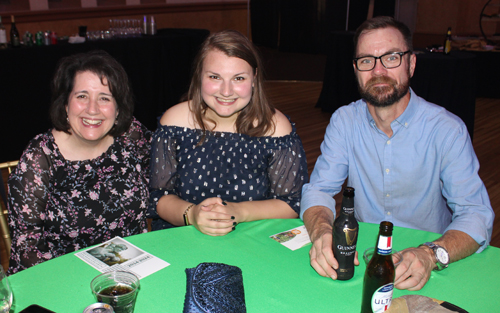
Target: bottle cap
348 192
386 226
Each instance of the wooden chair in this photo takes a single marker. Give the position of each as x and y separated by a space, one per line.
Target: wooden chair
5 170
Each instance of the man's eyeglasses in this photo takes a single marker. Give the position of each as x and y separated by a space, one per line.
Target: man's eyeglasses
388 60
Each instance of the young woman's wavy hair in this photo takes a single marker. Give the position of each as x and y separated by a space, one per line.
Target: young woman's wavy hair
256 119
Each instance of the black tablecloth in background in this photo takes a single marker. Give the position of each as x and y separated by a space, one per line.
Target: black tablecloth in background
159 69
446 80
488 78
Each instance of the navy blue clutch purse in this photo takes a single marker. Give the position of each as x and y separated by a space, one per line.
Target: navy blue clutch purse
214 288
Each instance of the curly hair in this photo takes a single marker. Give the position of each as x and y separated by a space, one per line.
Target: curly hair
256 119
105 67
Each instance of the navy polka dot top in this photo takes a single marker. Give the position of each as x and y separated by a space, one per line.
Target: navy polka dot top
232 166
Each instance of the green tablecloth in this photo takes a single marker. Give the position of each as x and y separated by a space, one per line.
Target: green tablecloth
275 278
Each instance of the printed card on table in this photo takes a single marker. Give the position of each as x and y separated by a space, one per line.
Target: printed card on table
294 238
118 254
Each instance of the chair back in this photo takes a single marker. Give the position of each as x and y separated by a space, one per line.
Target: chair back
5 170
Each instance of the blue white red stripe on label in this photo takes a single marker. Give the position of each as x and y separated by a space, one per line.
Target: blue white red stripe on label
384 245
382 298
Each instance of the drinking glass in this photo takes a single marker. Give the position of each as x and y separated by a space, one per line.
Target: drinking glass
397 257
118 289
5 292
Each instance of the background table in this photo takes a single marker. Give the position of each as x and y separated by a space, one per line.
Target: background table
488 78
275 278
446 80
159 69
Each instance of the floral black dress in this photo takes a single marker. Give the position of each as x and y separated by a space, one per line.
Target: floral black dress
231 166
58 206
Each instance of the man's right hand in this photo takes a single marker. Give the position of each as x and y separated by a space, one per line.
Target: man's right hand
321 253
319 221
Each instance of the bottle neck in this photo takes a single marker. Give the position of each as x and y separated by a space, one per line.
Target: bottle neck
384 244
347 206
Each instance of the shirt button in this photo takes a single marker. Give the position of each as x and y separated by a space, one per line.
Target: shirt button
406 124
388 142
388 213
387 195
387 170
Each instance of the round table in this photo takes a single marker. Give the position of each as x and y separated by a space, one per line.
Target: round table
276 279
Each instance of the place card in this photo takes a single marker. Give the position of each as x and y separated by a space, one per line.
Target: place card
294 238
117 254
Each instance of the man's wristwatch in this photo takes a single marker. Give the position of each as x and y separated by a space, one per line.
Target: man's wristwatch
442 256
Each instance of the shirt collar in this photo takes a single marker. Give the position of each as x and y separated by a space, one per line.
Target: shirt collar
405 118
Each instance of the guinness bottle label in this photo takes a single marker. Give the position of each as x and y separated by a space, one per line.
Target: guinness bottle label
348 210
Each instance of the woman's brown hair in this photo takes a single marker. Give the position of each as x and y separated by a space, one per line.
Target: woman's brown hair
105 67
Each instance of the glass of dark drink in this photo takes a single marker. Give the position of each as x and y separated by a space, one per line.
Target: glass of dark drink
118 289
397 257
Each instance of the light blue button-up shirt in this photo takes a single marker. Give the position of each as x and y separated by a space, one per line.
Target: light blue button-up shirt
425 176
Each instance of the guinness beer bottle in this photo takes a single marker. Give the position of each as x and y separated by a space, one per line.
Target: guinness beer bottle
345 236
378 283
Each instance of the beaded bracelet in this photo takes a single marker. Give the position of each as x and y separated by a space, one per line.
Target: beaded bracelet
186 218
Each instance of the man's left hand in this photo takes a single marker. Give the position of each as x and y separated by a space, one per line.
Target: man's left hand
415 269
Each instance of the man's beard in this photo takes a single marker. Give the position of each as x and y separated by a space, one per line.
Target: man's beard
383 96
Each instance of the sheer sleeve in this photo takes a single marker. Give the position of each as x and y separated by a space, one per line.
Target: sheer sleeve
28 191
163 168
139 138
288 172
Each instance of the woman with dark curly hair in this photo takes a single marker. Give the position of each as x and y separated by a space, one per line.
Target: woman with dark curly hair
86 180
226 155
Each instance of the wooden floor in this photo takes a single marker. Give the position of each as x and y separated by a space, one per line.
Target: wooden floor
298 99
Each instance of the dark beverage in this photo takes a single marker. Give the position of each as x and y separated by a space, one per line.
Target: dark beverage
378 283
116 290
123 304
15 40
345 236
447 42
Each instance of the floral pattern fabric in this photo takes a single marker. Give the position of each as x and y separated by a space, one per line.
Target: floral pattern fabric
58 206
231 166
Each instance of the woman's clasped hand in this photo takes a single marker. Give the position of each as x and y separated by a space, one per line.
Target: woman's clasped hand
214 217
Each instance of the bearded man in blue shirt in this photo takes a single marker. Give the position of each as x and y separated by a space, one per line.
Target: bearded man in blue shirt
411 162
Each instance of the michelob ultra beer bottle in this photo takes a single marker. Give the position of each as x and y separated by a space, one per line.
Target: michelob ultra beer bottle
345 236
378 283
